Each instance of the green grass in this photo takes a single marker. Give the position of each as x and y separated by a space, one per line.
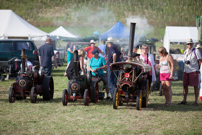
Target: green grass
103 14
51 117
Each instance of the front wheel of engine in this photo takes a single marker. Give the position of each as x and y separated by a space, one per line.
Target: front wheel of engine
33 95
139 100
86 97
115 98
12 95
65 97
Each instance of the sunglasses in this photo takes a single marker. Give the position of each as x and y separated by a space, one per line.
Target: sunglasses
189 44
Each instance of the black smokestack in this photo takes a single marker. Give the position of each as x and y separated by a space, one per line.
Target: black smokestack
76 64
23 56
131 40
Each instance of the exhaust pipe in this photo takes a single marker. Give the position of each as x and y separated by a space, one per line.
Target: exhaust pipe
23 57
76 64
131 41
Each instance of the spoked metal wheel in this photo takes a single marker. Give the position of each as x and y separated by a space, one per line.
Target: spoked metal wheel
12 95
115 98
139 100
65 97
86 97
33 95
94 92
69 91
48 88
146 98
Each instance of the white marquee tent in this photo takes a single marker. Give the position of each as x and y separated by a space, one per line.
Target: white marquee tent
60 31
13 26
179 34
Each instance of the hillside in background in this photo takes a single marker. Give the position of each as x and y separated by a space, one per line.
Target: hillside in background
150 15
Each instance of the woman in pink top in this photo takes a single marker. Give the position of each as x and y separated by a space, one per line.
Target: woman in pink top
166 77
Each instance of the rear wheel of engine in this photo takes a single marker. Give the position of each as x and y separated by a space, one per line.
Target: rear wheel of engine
94 94
12 95
115 98
48 88
86 97
65 97
33 95
139 100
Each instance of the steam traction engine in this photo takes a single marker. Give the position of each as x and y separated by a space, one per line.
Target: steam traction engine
30 84
131 87
81 86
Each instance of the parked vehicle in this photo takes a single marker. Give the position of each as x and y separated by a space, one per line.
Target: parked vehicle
60 56
30 83
10 55
81 86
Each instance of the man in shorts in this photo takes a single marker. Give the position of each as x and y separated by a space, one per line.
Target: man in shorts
191 71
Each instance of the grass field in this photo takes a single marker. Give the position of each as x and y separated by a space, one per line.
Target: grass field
51 117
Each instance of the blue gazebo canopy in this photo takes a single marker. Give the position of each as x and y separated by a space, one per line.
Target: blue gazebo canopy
118 31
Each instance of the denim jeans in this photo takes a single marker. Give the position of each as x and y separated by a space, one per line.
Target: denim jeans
48 70
111 80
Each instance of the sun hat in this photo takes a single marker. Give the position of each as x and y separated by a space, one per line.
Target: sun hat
92 41
110 39
189 41
95 51
135 54
198 46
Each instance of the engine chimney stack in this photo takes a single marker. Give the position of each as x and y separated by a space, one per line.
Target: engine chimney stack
23 56
76 64
131 41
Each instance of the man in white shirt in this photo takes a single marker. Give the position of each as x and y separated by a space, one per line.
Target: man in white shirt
191 71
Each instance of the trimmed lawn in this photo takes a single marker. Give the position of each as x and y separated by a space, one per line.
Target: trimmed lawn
51 117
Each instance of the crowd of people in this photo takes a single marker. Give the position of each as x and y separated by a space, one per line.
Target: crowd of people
99 60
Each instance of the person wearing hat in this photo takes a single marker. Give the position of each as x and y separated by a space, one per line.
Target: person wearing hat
198 46
191 71
89 51
97 65
69 72
135 56
114 55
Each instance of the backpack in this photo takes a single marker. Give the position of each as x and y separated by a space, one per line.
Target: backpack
199 63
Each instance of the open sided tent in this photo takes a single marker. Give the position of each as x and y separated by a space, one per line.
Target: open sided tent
13 26
179 34
118 31
62 32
